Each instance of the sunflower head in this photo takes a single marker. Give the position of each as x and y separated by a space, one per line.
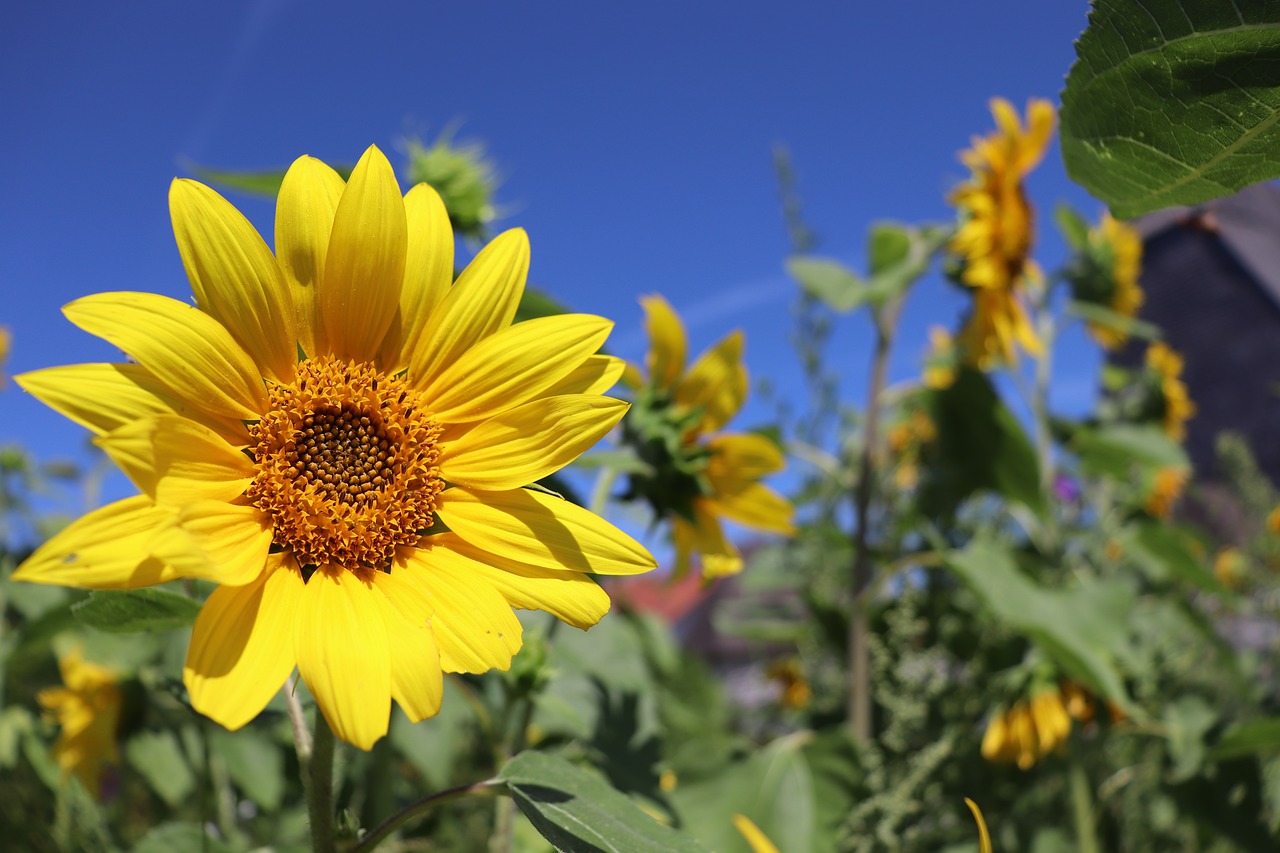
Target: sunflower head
1165 488
1169 400
1229 567
1028 730
88 708
1105 273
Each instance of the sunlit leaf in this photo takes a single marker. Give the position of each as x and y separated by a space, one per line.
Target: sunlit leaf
134 610
828 281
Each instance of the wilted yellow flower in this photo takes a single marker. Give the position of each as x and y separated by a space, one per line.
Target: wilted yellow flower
789 675
87 707
339 436
1121 244
1027 731
1078 702
1166 488
1176 405
697 478
1229 567
997 230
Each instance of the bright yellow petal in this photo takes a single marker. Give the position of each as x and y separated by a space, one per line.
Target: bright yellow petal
110 548
241 648
234 276
428 272
596 375
756 840
525 444
752 504
104 397
175 460
473 624
572 597
344 654
668 344
719 555
984 837
304 220
364 270
746 456
482 301
542 530
188 351
514 365
717 382
234 539
417 682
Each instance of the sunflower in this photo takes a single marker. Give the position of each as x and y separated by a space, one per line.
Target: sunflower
87 707
996 232
940 360
339 436
1028 730
1166 487
693 477
1175 404
1119 247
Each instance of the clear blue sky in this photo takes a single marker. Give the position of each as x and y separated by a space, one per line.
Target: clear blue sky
633 138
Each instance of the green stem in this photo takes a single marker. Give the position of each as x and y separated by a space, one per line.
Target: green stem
489 787
600 490
1082 808
319 783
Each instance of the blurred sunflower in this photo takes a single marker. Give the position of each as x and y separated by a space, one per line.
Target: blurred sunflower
692 477
1229 567
1028 730
1165 489
997 226
1107 275
788 674
907 439
1176 408
5 341
87 707
339 436
940 360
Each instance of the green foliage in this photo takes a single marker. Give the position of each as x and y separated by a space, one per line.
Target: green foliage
136 610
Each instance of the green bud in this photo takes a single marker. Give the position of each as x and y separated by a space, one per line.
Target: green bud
464 178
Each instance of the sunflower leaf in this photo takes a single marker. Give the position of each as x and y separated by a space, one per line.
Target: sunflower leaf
1251 738
135 610
1172 102
828 281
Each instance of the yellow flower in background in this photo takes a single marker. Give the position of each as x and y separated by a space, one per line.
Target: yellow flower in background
789 675
1029 730
1273 520
697 476
5 340
339 436
940 360
1166 488
1229 567
1176 405
87 707
907 439
1122 244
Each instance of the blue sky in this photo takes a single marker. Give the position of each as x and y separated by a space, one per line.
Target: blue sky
633 139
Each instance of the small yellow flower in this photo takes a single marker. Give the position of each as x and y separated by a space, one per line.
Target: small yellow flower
1166 488
940 361
907 439
1122 244
789 675
698 475
340 435
87 708
1176 405
1028 730
1273 520
1229 567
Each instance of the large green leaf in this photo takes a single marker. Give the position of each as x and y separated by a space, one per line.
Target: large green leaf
134 610
255 764
828 281
578 812
1114 449
1164 554
158 757
1173 101
1251 738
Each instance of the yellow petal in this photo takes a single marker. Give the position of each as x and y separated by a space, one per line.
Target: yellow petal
344 654
104 397
571 597
529 442
514 365
473 624
417 682
596 375
189 352
668 344
428 272
234 539
719 555
984 837
175 460
241 648
234 276
304 220
482 301
745 456
364 270
717 382
752 504
110 548
756 840
542 530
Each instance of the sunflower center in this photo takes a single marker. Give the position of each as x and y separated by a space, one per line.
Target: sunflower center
347 465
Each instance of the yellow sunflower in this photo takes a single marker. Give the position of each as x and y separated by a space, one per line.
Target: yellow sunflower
339 436
997 229
1122 245
1166 487
1029 730
940 360
87 707
1176 405
696 478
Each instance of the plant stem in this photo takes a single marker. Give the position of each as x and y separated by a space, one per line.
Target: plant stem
320 787
1082 808
489 787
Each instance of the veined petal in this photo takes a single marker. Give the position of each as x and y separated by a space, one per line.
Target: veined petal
234 276
596 375
473 624
417 681
482 301
525 444
745 456
542 530
234 539
428 273
175 460
750 503
241 648
364 270
192 355
110 548
668 344
344 654
105 397
572 597
304 220
514 365
717 382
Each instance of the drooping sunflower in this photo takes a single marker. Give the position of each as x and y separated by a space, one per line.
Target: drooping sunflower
1119 249
340 435
997 228
1027 731
87 707
695 475
1176 407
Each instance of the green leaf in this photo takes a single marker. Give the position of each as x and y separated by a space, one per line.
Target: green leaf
1251 738
578 812
899 255
134 610
1186 722
159 758
1173 102
255 764
1163 553
1103 316
1072 225
828 281
1115 449
433 747
264 182
179 838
